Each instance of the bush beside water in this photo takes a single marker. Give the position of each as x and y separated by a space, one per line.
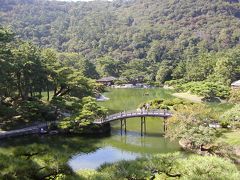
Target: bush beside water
168 166
206 89
169 104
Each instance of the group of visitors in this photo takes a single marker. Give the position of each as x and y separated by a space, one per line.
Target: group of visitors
144 108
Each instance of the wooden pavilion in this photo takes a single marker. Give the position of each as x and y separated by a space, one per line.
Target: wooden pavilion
108 81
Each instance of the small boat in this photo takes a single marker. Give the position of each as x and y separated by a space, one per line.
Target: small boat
43 131
102 98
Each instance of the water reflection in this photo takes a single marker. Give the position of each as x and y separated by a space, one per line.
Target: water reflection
132 144
103 155
125 147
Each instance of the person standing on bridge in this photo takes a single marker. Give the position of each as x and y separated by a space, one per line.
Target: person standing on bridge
147 106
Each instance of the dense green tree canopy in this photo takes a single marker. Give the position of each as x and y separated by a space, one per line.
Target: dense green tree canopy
28 72
154 29
192 126
136 40
167 166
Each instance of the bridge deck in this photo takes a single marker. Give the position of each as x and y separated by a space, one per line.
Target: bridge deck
132 114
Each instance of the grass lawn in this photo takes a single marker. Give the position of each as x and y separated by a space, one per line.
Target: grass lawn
188 96
219 107
232 138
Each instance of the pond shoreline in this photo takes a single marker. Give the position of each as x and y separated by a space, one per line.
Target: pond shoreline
120 99
43 129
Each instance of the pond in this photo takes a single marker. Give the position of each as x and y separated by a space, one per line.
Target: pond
92 152
130 145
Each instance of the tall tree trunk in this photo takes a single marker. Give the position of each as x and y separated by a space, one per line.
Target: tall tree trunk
20 94
59 91
26 91
31 91
55 91
63 92
48 93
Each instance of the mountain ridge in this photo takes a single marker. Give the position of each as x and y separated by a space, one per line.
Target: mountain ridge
127 30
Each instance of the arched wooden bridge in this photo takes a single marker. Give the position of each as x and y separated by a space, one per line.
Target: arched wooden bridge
122 116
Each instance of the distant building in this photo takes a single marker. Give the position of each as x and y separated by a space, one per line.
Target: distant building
236 85
108 81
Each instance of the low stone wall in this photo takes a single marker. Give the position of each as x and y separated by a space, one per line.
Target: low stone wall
24 131
91 130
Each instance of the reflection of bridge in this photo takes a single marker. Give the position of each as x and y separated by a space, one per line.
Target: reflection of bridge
122 116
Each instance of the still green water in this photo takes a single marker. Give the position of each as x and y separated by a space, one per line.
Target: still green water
129 99
130 145
91 152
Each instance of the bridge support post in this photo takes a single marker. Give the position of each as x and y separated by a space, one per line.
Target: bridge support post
165 124
143 125
123 124
145 128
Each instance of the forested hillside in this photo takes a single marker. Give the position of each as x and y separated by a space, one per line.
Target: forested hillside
52 52
137 40
153 29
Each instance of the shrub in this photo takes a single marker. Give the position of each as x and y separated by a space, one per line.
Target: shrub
164 104
207 89
208 167
224 123
6 111
235 96
93 175
191 123
82 120
174 83
167 166
232 116
34 110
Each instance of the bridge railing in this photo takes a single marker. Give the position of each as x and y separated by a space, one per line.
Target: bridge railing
132 113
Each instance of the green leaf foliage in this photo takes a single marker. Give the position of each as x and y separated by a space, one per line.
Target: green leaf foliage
168 166
139 41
